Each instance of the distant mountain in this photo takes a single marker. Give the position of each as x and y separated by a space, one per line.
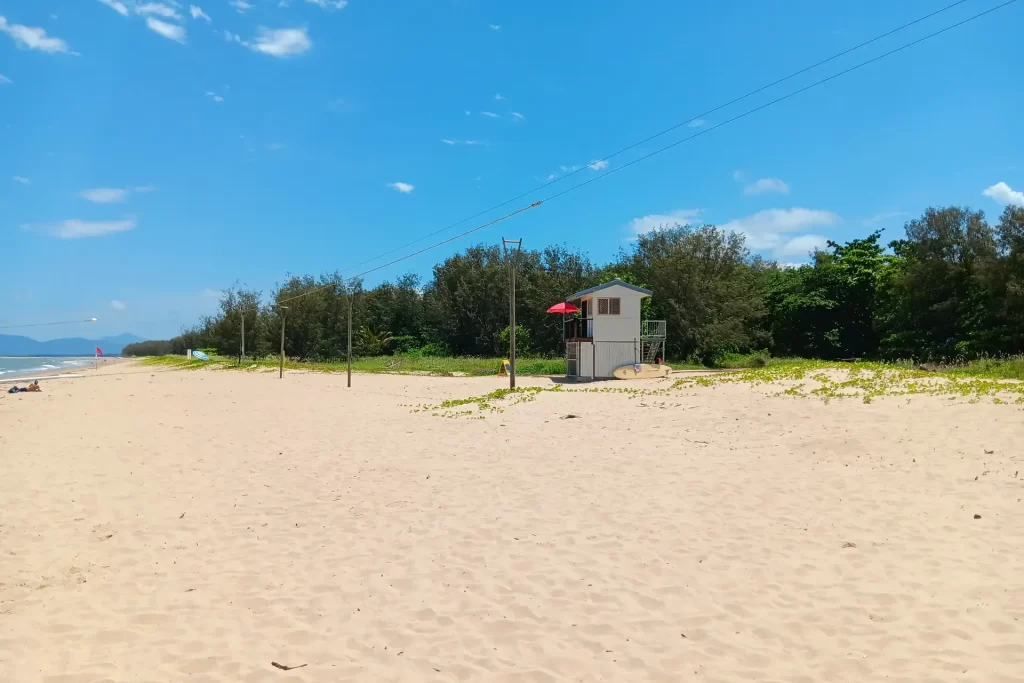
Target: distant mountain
11 345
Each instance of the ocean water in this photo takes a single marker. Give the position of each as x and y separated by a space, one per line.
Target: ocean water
28 365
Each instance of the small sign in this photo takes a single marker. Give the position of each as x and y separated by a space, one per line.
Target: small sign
505 368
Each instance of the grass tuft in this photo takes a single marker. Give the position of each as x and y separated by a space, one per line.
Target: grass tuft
399 365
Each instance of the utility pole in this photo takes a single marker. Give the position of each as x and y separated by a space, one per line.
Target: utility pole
512 262
280 370
350 295
243 340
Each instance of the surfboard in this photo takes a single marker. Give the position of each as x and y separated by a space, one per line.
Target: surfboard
642 371
200 355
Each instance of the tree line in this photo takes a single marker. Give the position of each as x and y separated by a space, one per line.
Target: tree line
951 288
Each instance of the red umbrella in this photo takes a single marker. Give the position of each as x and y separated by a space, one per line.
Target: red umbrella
565 308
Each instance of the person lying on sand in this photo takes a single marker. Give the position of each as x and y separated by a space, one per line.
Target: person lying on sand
31 387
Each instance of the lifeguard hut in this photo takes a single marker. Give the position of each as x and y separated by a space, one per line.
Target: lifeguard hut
609 333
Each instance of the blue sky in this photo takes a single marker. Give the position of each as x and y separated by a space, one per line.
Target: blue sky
152 153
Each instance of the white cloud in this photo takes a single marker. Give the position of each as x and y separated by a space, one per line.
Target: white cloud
882 217
490 114
679 217
329 4
21 179
113 195
802 245
159 9
105 195
169 31
449 141
499 97
404 188
241 6
117 305
118 7
75 229
764 229
198 13
5 81
599 165
1004 194
697 123
517 116
494 27
232 37
33 38
767 186
214 96
281 42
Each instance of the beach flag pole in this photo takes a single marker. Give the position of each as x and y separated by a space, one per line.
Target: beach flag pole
96 359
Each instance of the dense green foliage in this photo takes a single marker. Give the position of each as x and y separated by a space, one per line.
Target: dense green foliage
951 288
148 348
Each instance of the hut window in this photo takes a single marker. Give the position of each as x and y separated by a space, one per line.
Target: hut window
609 306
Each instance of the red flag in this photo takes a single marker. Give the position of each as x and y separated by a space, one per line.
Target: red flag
99 351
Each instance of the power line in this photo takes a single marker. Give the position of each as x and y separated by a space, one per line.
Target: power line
415 253
62 322
658 151
672 128
783 98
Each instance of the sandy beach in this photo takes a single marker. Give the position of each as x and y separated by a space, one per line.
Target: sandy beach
168 526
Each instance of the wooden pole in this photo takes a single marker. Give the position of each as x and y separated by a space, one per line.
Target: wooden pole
280 370
243 338
512 263
512 331
350 294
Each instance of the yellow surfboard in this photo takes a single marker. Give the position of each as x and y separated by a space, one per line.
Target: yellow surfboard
642 371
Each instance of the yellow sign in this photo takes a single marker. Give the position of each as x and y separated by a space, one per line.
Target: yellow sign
504 368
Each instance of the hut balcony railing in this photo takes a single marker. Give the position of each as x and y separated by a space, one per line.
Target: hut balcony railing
653 329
